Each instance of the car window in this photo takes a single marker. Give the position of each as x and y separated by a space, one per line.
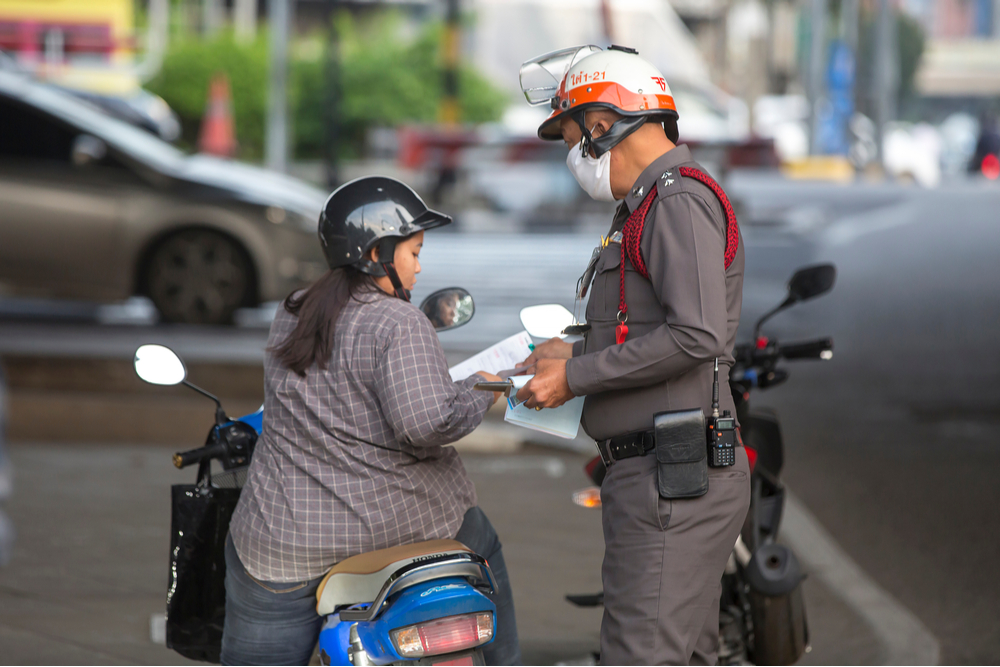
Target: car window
126 138
35 136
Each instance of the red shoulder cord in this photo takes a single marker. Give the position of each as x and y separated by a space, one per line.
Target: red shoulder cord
632 236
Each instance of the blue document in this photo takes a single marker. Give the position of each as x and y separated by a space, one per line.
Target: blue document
563 421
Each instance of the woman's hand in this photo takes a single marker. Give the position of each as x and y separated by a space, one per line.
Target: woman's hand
492 378
553 348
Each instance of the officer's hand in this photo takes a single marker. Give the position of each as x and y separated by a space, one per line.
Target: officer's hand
549 388
489 377
553 348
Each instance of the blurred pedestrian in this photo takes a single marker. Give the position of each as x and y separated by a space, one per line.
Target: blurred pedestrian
666 296
358 406
987 151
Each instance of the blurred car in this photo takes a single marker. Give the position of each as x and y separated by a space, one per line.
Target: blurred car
94 208
140 108
127 102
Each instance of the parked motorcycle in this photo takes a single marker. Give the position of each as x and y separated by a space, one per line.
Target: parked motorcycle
762 617
423 603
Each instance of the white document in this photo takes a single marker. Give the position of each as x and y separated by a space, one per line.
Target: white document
503 356
563 421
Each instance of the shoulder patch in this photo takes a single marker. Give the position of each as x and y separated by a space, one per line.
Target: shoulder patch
670 182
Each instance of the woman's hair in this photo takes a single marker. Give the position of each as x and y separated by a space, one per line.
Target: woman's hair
317 308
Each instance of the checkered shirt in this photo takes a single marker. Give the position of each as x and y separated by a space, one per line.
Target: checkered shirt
352 459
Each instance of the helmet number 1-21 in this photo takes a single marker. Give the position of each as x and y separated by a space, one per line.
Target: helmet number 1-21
577 79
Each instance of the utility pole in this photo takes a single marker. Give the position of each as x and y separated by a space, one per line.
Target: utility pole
452 44
276 139
331 108
245 19
849 24
817 71
886 79
157 33
211 16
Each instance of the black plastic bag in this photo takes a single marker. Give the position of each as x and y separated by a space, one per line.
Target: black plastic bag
196 593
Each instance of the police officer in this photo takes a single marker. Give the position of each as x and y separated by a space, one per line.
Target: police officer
664 304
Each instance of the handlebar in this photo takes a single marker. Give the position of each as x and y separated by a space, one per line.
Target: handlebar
192 456
813 349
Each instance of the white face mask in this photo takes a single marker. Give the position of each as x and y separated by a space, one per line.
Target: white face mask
593 174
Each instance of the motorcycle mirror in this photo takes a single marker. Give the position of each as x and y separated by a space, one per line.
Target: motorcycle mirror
449 308
806 283
811 281
157 364
546 321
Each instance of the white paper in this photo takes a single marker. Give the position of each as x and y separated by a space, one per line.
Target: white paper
503 356
563 421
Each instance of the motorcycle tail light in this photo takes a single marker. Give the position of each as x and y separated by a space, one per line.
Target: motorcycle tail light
444 635
991 167
589 497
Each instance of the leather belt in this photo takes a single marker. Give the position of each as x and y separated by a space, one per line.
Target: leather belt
625 446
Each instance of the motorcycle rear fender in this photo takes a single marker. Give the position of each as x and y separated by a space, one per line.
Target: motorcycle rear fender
334 638
418 604
762 431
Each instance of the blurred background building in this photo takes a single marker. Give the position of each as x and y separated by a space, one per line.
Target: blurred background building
847 78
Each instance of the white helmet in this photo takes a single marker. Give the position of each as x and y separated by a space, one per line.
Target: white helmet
586 77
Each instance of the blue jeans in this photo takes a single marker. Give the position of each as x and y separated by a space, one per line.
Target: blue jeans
276 624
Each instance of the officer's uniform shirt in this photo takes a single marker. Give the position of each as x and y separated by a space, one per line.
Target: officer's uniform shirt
679 320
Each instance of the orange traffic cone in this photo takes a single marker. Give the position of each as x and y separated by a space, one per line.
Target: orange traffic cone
217 134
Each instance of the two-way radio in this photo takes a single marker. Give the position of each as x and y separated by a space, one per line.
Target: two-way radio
721 431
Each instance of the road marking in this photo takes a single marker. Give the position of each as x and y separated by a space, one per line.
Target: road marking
905 640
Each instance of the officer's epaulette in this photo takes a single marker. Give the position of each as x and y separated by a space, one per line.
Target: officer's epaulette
679 179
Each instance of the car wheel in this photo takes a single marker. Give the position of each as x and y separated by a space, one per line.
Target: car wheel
198 277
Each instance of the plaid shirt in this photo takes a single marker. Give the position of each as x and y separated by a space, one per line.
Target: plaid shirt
352 459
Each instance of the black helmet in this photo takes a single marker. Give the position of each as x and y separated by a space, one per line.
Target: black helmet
371 211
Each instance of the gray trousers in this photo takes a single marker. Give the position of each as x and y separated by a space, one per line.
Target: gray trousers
663 563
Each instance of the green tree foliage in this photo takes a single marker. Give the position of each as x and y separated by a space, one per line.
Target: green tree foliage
910 47
385 80
188 68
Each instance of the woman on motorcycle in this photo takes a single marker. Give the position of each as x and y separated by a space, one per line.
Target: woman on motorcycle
358 406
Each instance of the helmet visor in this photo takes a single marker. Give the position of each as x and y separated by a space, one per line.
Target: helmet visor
542 76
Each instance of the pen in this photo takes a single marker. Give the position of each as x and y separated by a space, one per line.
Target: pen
531 346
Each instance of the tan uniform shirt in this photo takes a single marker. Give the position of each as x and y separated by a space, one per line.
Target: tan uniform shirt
679 320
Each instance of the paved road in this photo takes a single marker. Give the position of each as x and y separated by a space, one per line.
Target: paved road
90 566
890 444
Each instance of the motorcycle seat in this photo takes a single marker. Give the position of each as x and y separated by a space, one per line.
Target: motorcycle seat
360 578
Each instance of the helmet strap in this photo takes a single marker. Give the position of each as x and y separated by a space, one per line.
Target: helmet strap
387 256
397 285
617 133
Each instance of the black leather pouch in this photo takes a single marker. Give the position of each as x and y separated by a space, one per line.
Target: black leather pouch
681 453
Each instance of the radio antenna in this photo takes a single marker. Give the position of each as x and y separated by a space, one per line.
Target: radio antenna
715 390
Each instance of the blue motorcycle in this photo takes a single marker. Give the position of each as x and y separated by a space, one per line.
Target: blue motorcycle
424 603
